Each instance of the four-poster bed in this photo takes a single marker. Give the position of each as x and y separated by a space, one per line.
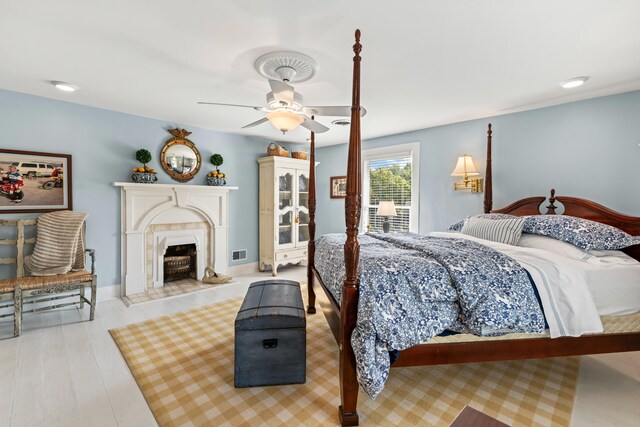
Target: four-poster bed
342 315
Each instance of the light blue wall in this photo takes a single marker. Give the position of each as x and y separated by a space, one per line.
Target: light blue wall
586 149
103 145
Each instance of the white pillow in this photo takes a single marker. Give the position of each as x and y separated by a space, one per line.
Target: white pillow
506 231
557 247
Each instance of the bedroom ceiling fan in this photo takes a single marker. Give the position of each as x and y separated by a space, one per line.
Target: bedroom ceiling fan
285 108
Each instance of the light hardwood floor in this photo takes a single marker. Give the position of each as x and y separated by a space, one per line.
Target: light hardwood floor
67 372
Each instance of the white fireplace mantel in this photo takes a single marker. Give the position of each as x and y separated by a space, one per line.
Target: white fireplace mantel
149 204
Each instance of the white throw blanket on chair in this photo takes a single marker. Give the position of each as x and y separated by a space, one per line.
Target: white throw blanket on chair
59 245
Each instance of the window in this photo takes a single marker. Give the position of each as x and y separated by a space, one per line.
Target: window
391 174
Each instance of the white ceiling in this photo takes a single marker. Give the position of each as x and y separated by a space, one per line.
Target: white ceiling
424 63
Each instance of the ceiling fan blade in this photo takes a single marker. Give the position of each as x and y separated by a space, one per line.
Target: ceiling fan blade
232 105
314 126
282 92
256 123
340 111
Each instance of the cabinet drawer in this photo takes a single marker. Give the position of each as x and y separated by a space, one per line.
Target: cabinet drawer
297 253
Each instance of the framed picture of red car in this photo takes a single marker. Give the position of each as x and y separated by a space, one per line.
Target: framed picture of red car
34 181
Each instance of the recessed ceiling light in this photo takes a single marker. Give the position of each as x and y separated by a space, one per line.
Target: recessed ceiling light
65 87
574 82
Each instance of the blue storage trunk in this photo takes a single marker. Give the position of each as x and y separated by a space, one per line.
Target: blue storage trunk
270 335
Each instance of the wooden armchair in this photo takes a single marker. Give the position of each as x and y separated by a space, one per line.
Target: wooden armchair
39 290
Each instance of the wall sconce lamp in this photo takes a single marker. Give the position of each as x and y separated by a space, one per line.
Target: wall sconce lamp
386 209
465 168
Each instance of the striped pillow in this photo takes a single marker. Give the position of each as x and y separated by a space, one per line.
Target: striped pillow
497 230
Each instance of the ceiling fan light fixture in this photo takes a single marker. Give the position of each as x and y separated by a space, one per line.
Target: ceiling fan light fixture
284 120
298 101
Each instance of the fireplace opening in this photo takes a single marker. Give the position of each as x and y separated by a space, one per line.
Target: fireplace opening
180 262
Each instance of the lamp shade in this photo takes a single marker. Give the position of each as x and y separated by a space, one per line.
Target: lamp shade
386 209
465 166
284 120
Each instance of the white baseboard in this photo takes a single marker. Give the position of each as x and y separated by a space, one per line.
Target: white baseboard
108 292
239 270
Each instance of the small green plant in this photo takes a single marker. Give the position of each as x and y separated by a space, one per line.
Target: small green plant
216 160
143 156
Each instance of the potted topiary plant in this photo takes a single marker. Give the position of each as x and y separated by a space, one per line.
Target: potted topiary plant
144 174
216 177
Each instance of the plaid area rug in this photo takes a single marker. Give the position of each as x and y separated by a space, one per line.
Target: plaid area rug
183 363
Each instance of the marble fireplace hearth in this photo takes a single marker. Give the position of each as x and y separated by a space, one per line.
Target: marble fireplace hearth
170 289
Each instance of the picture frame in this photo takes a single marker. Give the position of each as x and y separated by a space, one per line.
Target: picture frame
41 182
338 187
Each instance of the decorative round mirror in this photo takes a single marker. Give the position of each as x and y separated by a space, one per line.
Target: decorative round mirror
180 158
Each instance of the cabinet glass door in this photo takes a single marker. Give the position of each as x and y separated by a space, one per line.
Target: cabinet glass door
302 208
285 228
286 197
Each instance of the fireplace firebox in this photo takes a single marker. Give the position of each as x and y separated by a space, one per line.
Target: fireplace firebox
180 262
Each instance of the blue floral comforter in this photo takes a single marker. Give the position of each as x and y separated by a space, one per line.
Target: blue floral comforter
413 287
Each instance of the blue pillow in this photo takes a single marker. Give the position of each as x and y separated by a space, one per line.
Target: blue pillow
458 225
585 234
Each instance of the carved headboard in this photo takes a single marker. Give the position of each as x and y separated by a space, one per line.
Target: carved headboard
581 208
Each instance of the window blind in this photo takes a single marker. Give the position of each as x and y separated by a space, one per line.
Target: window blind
388 178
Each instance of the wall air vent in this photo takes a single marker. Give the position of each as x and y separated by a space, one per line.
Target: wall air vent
341 122
239 254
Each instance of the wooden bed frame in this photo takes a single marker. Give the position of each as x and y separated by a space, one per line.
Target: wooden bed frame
342 317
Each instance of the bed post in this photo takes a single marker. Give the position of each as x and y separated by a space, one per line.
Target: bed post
349 304
488 181
311 307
